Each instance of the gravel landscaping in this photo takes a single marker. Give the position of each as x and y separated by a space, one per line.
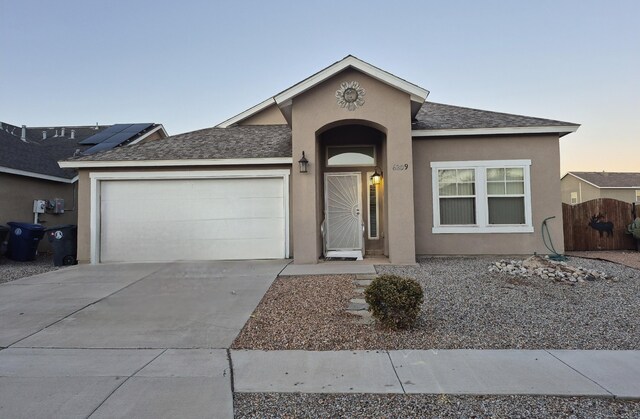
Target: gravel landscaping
287 405
466 306
11 270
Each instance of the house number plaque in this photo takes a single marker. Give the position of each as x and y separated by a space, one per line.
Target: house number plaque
400 167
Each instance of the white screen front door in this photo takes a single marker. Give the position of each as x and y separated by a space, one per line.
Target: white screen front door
343 211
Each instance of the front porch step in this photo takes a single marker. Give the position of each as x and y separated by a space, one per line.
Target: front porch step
344 254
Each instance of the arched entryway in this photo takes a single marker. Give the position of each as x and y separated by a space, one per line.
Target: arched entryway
352 207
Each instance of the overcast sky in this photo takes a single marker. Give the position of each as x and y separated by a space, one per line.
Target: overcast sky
192 64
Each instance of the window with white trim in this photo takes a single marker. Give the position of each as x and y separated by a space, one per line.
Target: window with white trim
574 198
491 196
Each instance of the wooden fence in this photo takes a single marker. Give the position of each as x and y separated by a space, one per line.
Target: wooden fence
578 235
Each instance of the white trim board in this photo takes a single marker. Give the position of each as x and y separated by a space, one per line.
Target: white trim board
80 164
98 177
493 131
37 175
145 135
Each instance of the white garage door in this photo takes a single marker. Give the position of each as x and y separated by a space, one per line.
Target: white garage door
192 219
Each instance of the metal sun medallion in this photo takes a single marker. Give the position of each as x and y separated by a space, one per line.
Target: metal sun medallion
350 95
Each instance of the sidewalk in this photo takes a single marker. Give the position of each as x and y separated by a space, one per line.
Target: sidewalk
477 372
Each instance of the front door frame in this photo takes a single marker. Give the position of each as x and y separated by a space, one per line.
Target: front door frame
359 210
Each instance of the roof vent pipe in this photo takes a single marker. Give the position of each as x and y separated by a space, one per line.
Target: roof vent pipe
44 135
62 132
23 136
73 134
56 134
96 126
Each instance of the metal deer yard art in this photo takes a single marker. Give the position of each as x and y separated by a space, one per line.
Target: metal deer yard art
601 226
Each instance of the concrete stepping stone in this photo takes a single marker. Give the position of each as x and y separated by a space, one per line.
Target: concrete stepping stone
358 307
366 276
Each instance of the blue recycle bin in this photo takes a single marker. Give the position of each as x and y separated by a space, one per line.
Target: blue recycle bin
23 240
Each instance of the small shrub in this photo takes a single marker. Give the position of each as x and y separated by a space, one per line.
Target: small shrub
394 301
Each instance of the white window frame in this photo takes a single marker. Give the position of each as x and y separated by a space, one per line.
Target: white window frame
574 198
637 195
482 201
377 220
375 157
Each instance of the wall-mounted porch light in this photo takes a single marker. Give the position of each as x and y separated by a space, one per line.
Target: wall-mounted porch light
376 177
304 164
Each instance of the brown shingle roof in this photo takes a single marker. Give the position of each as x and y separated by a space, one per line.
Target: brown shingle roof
610 179
439 116
240 142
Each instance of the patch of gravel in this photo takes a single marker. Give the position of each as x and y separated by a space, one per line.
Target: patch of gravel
628 258
11 270
297 405
466 307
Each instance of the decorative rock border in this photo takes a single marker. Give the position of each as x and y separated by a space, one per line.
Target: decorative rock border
546 268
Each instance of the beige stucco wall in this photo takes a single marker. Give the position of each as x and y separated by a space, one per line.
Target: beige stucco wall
387 110
586 191
626 195
543 151
268 116
84 198
17 194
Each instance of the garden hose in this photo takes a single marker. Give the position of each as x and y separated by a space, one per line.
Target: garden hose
554 254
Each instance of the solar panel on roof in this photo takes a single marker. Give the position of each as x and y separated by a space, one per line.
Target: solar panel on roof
103 135
136 128
115 139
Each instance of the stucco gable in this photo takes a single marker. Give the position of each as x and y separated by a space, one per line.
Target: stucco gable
284 99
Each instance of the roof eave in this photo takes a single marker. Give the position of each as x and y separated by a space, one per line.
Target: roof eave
85 164
449 132
37 175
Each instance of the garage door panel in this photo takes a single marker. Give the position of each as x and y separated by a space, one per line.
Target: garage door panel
200 219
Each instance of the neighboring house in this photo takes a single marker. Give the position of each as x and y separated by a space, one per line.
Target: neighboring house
29 170
352 159
578 187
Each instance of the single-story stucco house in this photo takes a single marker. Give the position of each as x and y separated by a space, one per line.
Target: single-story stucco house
352 159
579 187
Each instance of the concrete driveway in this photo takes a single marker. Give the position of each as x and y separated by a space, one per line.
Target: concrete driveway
126 340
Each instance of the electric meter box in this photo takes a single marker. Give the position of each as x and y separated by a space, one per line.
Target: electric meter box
39 206
58 206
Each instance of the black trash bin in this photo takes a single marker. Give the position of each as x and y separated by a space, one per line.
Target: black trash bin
3 234
64 241
23 240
